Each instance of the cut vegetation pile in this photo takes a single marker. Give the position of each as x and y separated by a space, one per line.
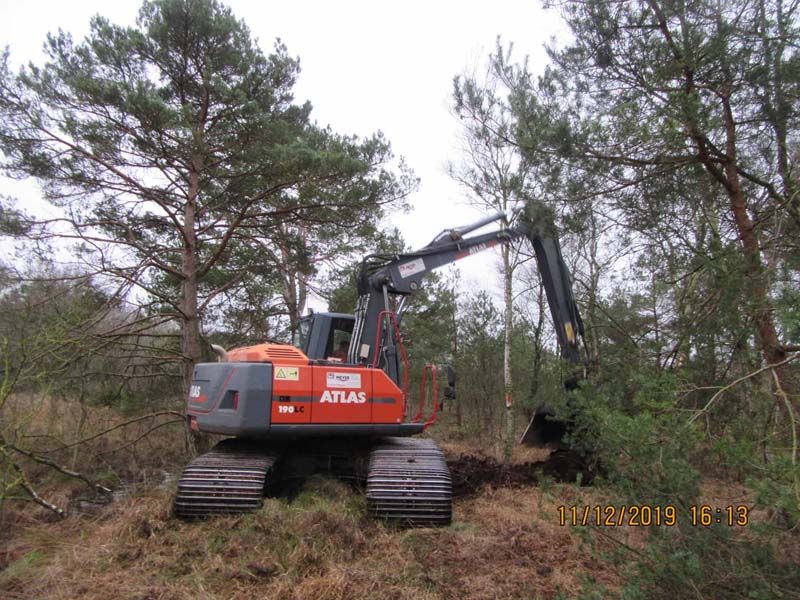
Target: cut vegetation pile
471 473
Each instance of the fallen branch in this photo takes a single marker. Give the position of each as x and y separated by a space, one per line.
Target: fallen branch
53 465
25 485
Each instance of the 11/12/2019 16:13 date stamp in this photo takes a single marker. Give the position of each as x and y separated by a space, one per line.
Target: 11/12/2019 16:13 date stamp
646 515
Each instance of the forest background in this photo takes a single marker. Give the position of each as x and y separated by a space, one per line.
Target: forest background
197 202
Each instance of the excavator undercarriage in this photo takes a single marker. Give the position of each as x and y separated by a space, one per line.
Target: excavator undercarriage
407 479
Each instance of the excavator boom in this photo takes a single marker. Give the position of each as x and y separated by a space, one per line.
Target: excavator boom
382 276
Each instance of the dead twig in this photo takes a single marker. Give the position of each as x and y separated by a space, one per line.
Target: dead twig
724 389
118 426
23 482
779 391
53 465
141 437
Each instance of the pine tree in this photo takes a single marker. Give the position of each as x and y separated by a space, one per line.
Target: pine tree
177 156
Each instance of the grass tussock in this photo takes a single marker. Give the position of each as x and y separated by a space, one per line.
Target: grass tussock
116 450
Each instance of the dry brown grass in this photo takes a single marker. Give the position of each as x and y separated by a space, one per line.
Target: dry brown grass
134 456
504 543
522 454
128 453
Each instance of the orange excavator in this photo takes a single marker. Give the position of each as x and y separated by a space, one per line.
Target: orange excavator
336 399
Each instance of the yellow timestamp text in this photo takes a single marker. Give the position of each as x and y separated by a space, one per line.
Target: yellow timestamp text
646 515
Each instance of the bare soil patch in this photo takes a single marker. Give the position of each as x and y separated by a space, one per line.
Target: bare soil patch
471 472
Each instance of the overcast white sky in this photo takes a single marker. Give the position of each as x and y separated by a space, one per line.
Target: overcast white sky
366 66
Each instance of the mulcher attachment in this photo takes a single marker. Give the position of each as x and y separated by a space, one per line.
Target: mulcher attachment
229 479
408 482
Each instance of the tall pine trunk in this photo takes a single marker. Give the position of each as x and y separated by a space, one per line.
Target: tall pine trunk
757 287
190 335
190 332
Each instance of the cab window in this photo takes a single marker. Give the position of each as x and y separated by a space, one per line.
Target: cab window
300 340
339 339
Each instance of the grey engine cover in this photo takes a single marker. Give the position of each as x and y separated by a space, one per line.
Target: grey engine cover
211 398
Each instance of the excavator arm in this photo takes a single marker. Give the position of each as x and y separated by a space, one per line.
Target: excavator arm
383 276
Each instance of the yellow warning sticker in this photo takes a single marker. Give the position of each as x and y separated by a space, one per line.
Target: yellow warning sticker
288 373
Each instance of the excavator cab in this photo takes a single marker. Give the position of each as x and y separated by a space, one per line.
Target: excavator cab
324 336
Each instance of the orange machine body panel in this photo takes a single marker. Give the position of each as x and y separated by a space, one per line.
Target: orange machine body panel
291 393
274 353
323 393
341 395
387 399
328 394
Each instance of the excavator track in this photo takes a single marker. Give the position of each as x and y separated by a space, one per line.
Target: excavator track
229 479
408 482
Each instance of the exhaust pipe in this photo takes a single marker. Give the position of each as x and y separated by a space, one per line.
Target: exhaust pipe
222 354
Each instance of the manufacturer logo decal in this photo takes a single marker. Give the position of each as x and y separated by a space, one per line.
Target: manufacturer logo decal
342 397
478 248
411 268
342 380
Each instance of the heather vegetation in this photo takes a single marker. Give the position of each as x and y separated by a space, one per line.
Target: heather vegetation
198 203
